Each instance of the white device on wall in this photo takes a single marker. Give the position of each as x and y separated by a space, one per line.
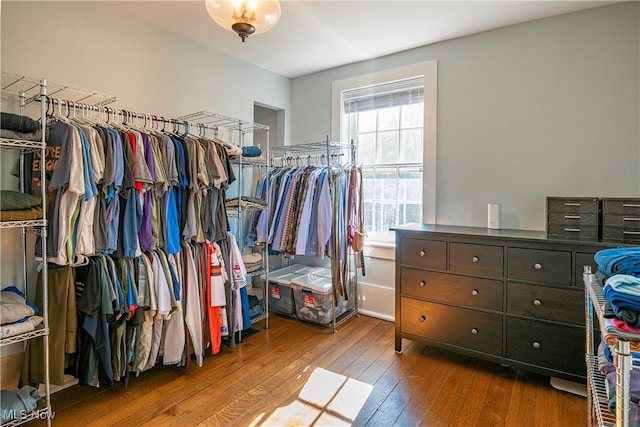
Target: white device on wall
494 212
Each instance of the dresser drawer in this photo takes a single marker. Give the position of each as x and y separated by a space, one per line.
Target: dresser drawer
546 345
539 265
542 302
450 288
573 205
476 259
460 327
424 253
583 259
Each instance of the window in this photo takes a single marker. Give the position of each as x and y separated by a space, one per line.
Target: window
401 172
386 122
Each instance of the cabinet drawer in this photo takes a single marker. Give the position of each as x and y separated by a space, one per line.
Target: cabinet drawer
546 345
539 265
424 253
619 234
573 219
575 205
450 288
629 206
627 222
573 231
460 327
541 302
476 259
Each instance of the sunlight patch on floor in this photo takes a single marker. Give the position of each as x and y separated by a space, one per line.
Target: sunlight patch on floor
327 399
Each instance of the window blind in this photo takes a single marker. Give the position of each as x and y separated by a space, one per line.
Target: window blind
391 94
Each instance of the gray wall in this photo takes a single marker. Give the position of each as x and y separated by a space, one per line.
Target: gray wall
549 107
88 45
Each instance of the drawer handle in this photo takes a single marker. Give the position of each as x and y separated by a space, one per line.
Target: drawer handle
422 283
474 292
475 259
631 232
422 318
571 204
537 302
572 217
537 266
536 344
630 205
474 331
631 219
423 252
575 230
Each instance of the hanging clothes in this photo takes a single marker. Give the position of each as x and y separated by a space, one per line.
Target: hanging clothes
138 216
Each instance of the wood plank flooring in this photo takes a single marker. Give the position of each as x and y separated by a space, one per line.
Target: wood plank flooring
298 374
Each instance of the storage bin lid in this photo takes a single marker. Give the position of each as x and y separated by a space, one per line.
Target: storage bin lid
313 282
318 271
293 268
284 279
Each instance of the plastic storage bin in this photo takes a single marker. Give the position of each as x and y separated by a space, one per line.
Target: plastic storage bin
313 296
280 292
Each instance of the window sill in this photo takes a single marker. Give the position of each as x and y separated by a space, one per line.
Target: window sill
380 250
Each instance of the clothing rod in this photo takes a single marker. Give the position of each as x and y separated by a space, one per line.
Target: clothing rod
311 147
128 115
315 159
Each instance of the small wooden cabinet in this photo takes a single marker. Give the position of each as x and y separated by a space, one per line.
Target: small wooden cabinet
621 220
509 296
576 218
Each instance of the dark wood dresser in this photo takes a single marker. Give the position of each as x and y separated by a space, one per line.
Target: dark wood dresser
510 296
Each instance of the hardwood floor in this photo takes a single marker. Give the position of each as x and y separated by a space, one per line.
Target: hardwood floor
297 374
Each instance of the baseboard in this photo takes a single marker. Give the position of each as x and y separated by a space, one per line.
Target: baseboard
376 301
376 315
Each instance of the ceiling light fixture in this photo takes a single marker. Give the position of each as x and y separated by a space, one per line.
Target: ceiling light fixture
244 17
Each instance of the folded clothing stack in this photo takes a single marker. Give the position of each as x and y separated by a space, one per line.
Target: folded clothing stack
246 202
14 126
251 151
17 316
622 260
17 206
252 261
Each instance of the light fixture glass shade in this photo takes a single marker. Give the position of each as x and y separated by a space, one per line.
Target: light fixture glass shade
248 16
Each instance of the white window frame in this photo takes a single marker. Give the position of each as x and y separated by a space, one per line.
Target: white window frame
427 69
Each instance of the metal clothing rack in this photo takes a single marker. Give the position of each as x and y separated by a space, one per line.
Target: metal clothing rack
597 401
196 123
242 129
40 226
27 90
333 151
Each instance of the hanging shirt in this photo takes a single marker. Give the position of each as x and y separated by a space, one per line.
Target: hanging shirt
193 313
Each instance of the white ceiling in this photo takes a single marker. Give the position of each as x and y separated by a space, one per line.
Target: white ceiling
317 35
